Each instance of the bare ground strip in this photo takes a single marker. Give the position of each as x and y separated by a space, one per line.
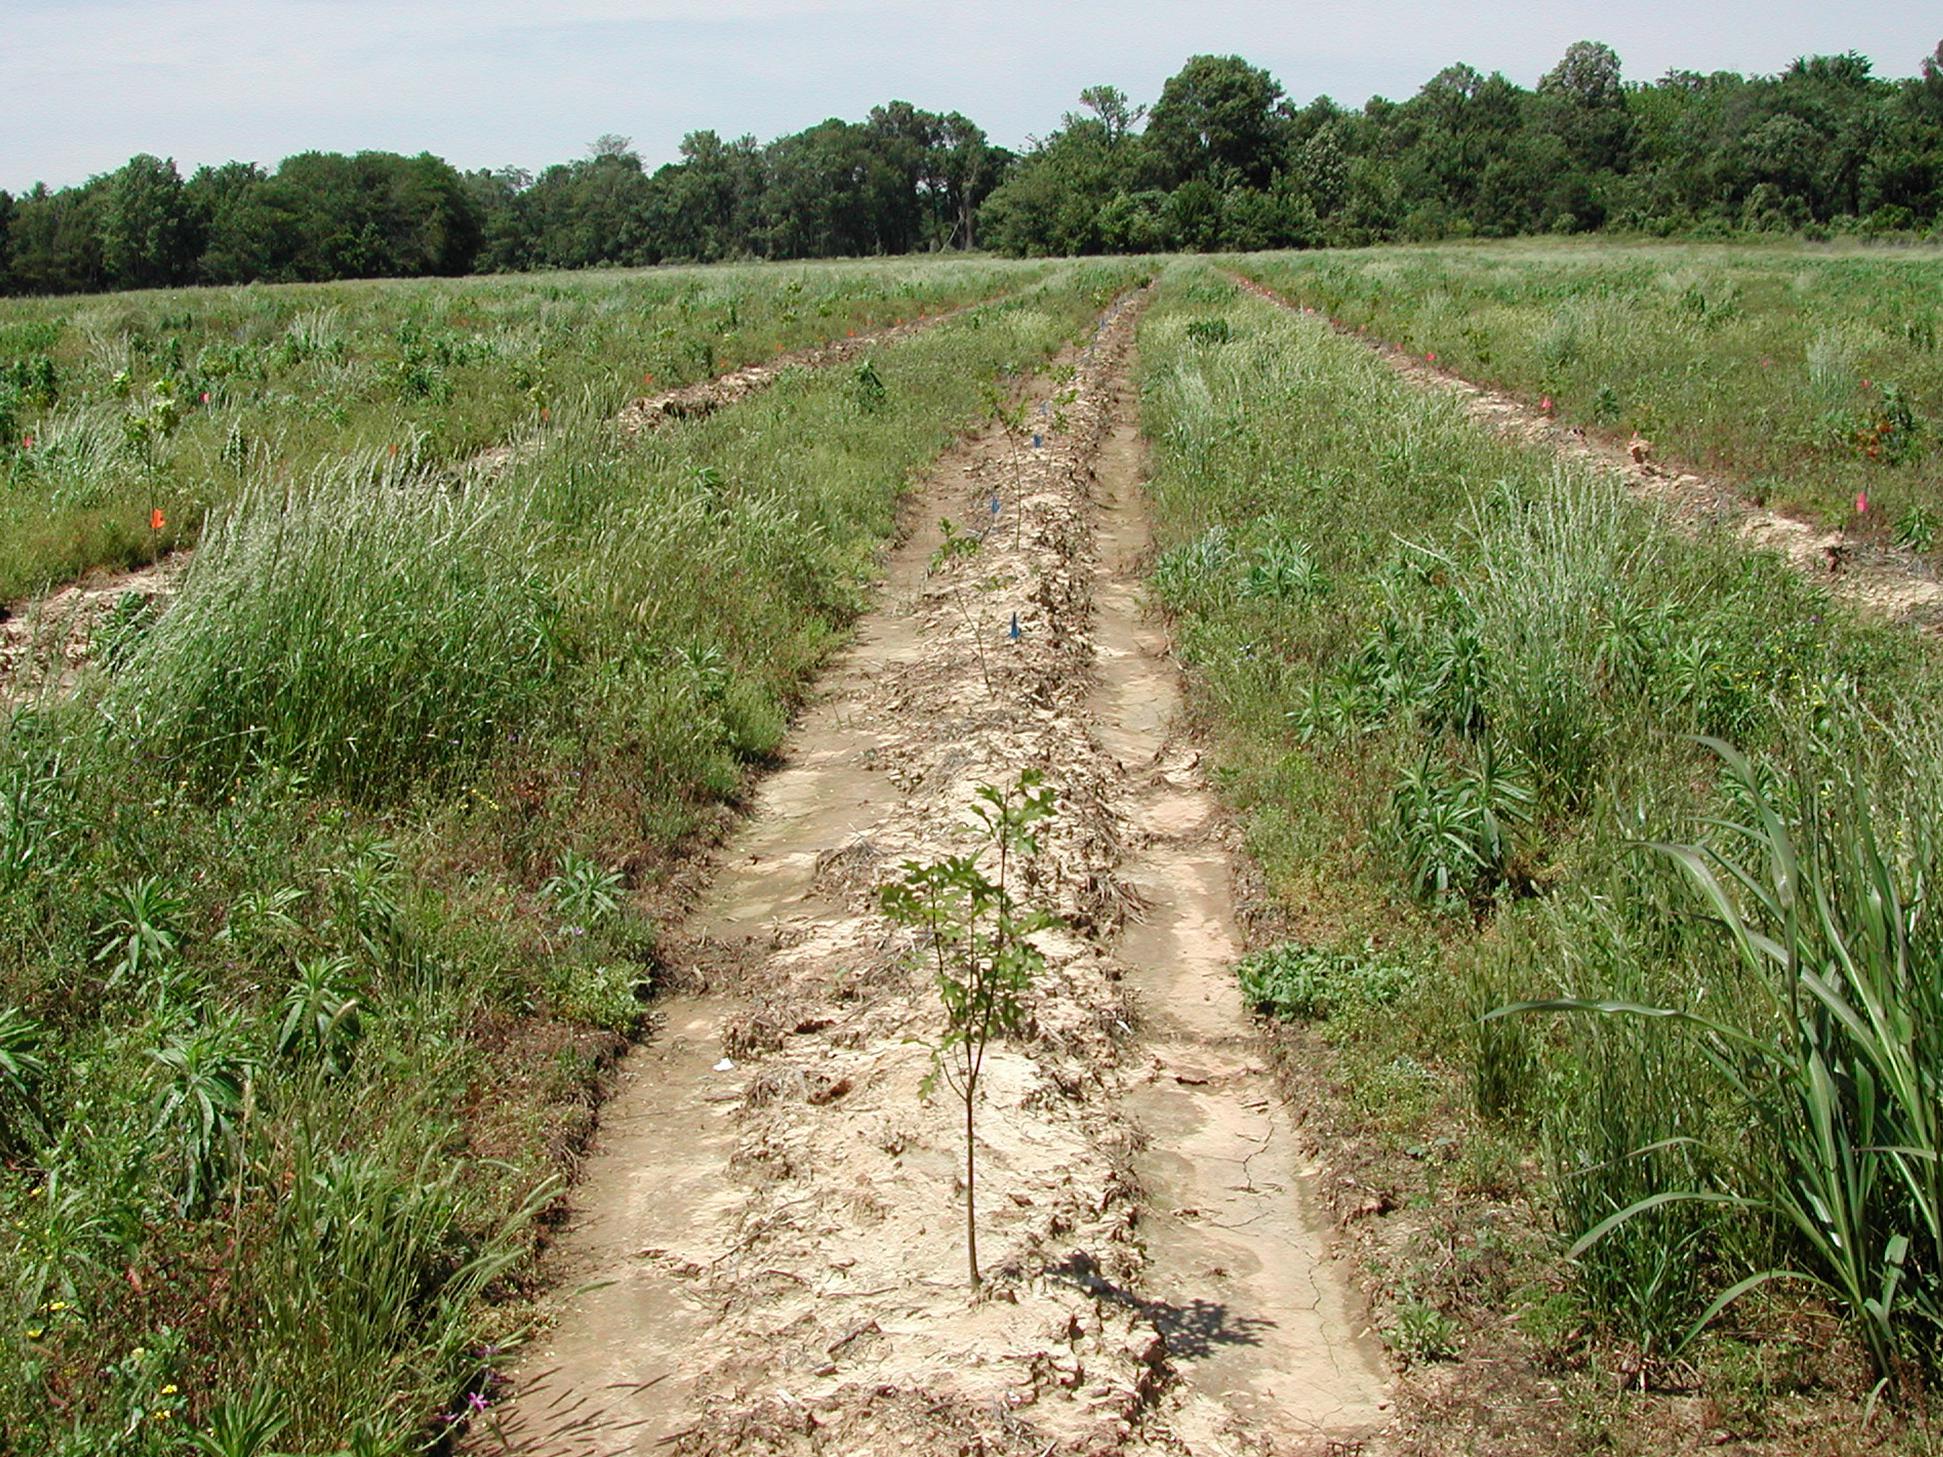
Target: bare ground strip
766 1252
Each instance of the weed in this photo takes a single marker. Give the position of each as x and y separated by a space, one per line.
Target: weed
1283 572
38 832
955 544
320 1017
1305 983
583 891
139 935
263 916
242 1427
205 1077
868 388
1196 574
22 1069
1455 832
1420 1332
600 994
1915 529
119 631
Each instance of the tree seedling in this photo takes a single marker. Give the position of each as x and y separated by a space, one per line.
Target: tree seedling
979 948
956 543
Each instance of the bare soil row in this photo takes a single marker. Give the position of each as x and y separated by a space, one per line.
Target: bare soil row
766 1251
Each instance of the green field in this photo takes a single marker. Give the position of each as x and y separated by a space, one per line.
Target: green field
117 405
318 898
1804 375
1473 705
327 894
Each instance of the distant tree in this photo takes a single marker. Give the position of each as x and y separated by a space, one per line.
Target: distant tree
148 236
1849 71
496 197
1927 100
1218 111
240 237
1373 204
325 215
1583 101
1193 216
901 142
822 199
713 204
1322 170
6 241
1115 112
1902 177
961 172
588 212
1447 95
55 242
1052 203
1588 75
1278 216
611 144
1134 222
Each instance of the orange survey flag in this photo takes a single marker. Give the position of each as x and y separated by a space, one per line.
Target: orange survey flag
155 519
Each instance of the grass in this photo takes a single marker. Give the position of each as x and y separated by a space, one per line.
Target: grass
1809 376
327 897
1459 692
112 407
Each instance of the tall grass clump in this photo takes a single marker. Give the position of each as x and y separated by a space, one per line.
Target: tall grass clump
1815 882
372 638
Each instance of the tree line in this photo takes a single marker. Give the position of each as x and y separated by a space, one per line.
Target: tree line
1223 159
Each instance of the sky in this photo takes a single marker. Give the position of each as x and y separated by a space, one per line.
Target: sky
85 84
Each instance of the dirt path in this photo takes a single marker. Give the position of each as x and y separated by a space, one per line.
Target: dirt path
1892 584
766 1255
45 642
1237 1255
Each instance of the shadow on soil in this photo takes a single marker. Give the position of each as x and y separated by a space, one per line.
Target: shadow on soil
1191 1331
